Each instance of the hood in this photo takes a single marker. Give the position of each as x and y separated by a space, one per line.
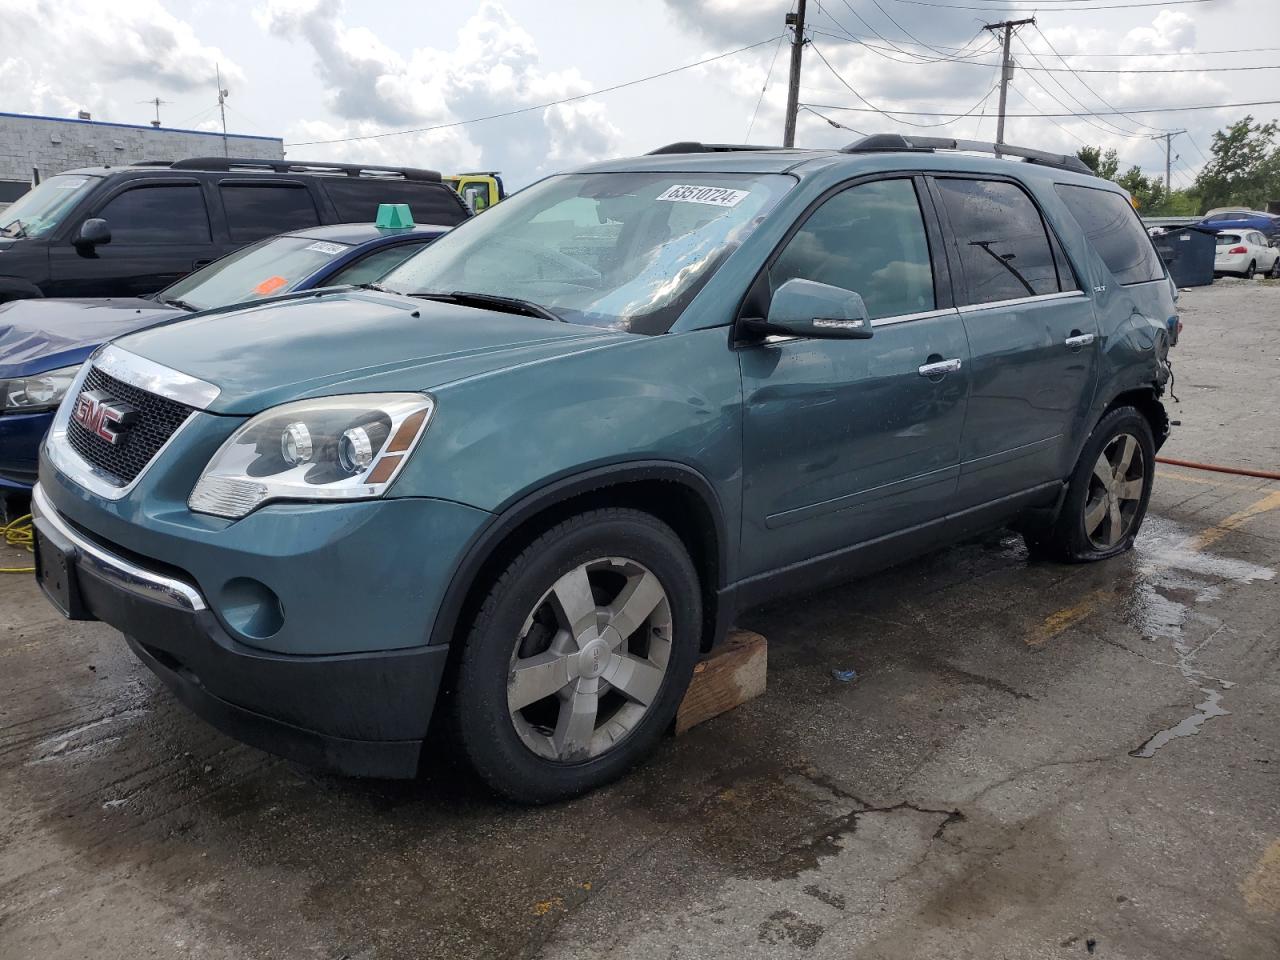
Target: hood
39 335
351 341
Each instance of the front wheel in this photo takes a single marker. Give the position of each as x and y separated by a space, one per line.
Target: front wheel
1107 495
579 656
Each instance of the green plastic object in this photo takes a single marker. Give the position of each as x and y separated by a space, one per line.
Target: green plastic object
394 216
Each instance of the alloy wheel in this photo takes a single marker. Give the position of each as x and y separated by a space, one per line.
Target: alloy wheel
590 660
1115 491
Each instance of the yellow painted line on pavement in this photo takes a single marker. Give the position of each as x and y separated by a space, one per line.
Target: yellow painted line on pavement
1060 620
1261 889
1215 533
1082 609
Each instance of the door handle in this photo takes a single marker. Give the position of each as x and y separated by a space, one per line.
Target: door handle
940 368
1079 340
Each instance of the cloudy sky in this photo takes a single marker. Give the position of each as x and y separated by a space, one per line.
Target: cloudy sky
327 70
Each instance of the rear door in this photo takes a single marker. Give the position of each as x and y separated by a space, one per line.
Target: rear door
848 440
160 231
1033 338
257 209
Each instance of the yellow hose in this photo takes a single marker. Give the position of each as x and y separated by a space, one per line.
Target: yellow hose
19 533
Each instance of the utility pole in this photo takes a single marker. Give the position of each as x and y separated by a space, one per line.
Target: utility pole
1006 70
222 108
1168 157
796 22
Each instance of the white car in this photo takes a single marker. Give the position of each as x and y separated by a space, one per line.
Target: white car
1246 252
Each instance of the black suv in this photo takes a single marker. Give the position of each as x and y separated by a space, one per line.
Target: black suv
129 231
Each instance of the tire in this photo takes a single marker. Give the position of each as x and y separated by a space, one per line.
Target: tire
1086 528
524 732
1274 272
1253 269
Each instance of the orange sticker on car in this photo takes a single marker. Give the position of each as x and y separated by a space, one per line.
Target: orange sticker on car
270 285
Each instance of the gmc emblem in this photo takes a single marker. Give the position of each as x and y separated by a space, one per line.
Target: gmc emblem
102 416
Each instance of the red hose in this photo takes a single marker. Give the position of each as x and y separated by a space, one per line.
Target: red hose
1218 468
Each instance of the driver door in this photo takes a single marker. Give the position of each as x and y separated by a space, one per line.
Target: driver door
849 440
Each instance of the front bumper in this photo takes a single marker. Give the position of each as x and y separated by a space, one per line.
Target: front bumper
20 436
362 714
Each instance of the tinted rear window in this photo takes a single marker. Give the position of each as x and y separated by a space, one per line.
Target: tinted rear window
1003 244
357 200
1224 238
255 211
1113 227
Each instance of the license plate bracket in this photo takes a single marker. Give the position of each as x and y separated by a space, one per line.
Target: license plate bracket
56 572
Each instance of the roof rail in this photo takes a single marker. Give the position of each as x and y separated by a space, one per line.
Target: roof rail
894 142
693 146
301 166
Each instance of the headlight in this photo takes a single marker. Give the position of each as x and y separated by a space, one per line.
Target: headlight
41 391
330 448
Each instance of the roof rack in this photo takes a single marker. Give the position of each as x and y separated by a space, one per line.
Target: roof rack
296 166
895 142
693 146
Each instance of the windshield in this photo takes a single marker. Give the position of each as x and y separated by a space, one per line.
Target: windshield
42 208
626 251
260 270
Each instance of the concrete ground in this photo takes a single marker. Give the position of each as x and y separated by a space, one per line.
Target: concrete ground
1035 761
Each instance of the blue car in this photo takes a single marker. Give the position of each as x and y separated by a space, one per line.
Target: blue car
43 342
1237 219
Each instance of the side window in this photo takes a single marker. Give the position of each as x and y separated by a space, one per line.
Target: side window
164 213
869 239
376 265
1113 228
255 211
1002 241
357 199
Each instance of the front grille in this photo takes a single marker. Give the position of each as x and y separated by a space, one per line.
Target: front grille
158 417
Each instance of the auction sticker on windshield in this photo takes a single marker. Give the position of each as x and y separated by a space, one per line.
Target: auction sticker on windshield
715 196
330 249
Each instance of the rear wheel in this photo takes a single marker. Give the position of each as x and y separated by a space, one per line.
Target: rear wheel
1253 269
579 656
1107 495
1274 272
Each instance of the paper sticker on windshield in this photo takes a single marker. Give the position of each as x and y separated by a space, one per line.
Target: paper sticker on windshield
328 249
715 196
70 183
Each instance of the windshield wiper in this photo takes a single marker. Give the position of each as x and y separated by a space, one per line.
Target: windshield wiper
371 286
18 228
465 298
181 305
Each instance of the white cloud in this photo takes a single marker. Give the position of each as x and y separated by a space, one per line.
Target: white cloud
62 54
494 67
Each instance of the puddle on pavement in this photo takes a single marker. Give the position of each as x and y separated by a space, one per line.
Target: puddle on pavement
1175 578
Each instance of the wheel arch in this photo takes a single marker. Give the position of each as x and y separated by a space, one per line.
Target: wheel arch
675 493
1147 401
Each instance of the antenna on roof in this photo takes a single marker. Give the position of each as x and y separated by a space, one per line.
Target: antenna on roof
157 103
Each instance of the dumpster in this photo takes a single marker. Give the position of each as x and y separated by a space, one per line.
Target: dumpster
1188 253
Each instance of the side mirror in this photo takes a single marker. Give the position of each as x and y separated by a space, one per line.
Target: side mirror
820 311
92 232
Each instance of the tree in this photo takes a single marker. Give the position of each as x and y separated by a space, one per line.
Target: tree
1245 169
1103 165
1147 192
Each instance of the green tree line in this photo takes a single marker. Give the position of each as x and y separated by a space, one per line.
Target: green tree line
1243 171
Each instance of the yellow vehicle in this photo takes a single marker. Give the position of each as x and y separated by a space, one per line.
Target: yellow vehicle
480 190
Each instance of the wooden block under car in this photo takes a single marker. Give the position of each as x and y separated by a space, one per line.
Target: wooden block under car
733 674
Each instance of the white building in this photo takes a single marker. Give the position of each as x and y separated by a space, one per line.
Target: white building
32 146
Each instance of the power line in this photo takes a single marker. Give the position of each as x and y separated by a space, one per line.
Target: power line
1097 113
837 125
1008 9
919 57
1040 34
536 106
1111 127
1071 56
767 77
873 108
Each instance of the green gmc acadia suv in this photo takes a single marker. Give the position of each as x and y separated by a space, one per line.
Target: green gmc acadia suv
520 488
